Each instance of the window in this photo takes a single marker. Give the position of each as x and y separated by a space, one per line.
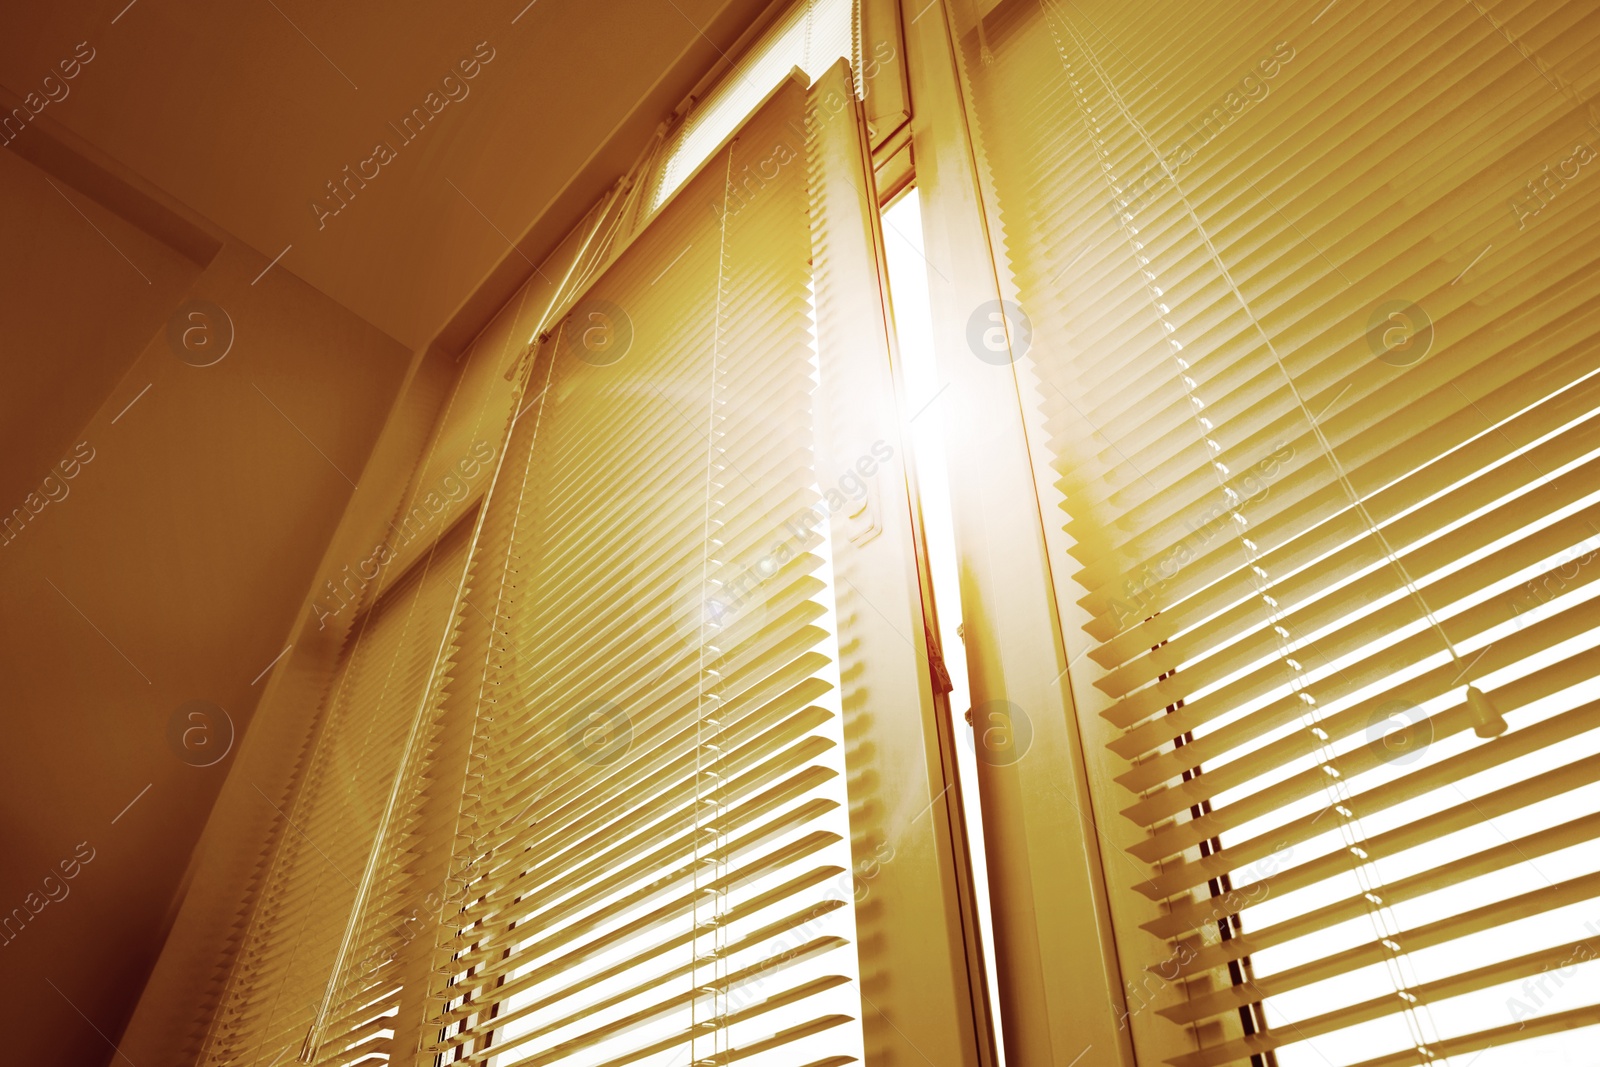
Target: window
661 817
1256 418
673 788
810 36
1300 311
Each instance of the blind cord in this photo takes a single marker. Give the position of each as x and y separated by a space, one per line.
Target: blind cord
702 742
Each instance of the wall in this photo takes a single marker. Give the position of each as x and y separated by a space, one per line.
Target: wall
167 569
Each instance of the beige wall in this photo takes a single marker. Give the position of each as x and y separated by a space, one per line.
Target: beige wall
73 314
178 554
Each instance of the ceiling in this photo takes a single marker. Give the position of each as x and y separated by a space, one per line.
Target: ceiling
244 112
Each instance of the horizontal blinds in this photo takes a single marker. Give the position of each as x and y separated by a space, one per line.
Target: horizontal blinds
279 977
1308 309
373 991
655 827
